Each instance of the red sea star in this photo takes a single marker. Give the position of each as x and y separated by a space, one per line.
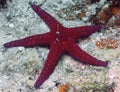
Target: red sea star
61 40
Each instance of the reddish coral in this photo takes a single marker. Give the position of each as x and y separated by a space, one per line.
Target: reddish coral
116 12
107 43
103 15
63 87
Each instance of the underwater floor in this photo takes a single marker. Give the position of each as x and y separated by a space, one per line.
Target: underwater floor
20 67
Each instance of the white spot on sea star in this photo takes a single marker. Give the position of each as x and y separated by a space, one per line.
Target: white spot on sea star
57 32
57 39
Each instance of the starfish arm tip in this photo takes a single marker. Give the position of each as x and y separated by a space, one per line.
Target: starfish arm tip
31 4
100 26
7 45
37 86
106 64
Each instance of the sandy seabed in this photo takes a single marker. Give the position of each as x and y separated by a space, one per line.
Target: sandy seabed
20 67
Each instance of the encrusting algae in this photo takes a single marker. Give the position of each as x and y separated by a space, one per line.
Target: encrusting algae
109 43
63 87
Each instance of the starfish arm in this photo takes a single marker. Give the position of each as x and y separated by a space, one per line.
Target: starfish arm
35 40
75 51
49 66
83 31
49 20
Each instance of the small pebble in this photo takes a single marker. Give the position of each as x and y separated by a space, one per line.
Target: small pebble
21 48
11 25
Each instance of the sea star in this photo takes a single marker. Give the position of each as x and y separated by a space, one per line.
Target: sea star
60 40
